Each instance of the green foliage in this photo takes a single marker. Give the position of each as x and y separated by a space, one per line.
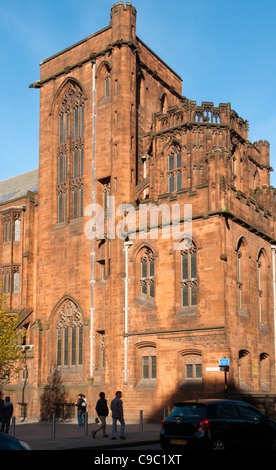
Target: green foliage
11 358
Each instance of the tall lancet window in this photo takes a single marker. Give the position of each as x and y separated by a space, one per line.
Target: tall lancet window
70 154
69 326
188 280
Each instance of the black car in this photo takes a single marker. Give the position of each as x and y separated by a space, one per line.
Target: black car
217 425
8 442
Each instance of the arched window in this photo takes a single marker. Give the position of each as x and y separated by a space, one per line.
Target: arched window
265 379
147 273
70 153
245 368
242 275
103 76
188 280
174 169
69 328
262 288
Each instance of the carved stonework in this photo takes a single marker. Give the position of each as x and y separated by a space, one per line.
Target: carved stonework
69 315
72 98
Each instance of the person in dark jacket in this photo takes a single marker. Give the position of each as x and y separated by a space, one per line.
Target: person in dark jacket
102 411
6 414
81 409
117 414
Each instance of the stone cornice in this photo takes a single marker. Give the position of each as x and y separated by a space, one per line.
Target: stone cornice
94 55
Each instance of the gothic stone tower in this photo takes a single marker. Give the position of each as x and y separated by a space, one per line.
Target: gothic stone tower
145 312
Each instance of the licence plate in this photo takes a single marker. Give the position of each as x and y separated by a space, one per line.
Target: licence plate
182 442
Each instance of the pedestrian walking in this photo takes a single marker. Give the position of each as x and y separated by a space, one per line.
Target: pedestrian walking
81 409
102 411
117 414
6 414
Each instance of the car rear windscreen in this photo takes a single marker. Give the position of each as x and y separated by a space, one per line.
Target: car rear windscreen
191 410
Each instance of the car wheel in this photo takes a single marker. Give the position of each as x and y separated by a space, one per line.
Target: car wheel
218 444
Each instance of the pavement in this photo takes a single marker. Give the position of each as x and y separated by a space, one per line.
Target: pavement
70 436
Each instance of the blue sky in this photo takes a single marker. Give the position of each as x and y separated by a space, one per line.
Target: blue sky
224 51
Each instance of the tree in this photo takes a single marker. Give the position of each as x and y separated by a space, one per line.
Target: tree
11 358
54 397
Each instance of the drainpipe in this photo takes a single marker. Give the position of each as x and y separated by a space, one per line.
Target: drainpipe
93 196
127 245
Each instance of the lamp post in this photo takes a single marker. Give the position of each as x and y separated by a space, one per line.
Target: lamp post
25 348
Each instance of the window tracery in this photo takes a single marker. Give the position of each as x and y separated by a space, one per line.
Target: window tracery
147 273
70 154
69 327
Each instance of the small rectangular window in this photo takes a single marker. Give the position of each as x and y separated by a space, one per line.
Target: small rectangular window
80 344
171 162
189 371
76 164
60 208
194 295
76 123
145 366
198 371
153 367
151 289
185 266
81 161
185 296
178 181
193 265
144 269
65 346
59 347
82 121
152 267
60 168
75 204
61 130
17 230
144 288
81 203
66 167
16 283
6 232
6 283
178 160
67 127
73 345
171 183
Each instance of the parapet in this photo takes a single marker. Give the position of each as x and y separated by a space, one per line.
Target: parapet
120 6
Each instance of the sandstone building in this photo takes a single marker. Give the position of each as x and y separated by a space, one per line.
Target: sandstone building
144 313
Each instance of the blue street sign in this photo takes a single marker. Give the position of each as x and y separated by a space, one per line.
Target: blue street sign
224 362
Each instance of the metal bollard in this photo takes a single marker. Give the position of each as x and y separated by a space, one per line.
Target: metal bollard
141 421
13 426
54 425
86 424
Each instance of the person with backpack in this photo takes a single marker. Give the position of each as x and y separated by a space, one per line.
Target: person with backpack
81 409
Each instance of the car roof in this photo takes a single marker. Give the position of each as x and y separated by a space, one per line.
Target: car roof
206 401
